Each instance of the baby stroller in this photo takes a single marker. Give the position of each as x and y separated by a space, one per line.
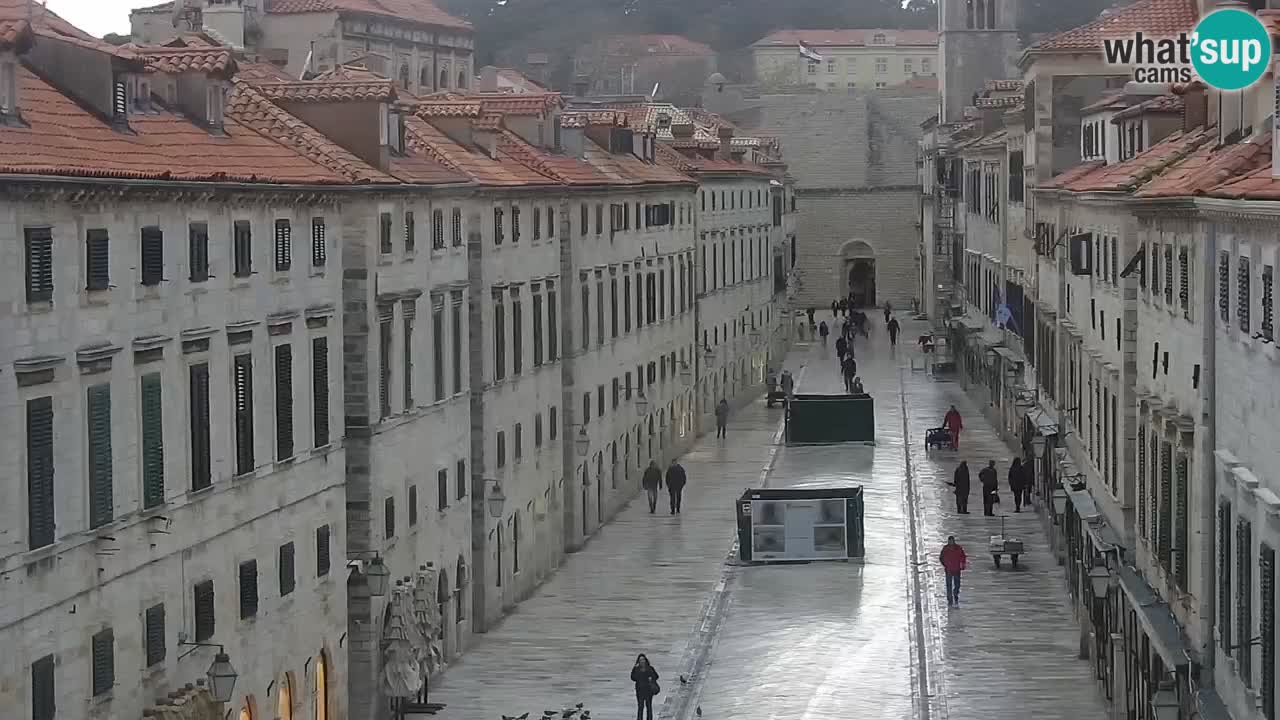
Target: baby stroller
938 438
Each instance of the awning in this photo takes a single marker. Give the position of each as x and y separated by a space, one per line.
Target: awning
989 338
1044 421
1104 536
1083 502
1156 618
969 324
1008 354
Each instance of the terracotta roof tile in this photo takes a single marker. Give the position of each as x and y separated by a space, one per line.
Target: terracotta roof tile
261 72
1155 18
43 19
329 91
1071 175
818 38
1167 104
61 138
1003 85
1109 101
488 121
504 170
509 103
1212 166
433 108
423 12
199 60
351 72
1256 185
1132 174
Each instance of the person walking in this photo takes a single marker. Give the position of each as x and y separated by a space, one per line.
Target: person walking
960 485
953 562
857 386
842 346
844 307
990 482
888 309
788 386
771 387
646 680
893 328
810 312
954 424
651 482
722 415
675 485
823 331
1028 481
835 307
1016 480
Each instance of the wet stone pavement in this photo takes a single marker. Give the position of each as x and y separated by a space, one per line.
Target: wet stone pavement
820 640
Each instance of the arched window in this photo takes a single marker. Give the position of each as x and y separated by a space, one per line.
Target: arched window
968 14
462 80
404 76
322 688
424 79
284 698
515 542
991 14
459 602
442 600
444 79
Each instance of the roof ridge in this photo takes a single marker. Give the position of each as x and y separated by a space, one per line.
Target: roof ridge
421 143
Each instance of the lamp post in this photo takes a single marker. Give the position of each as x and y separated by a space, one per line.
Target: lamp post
377 576
496 500
686 373
222 676
642 403
582 442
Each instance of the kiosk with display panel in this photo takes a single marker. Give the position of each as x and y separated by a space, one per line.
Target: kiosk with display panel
801 525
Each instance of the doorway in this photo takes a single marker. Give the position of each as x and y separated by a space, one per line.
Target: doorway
862 282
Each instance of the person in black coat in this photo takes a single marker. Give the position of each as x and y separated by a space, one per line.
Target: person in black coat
651 482
646 680
842 346
990 488
960 483
1016 480
675 485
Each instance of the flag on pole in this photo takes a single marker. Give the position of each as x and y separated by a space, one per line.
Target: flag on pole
808 53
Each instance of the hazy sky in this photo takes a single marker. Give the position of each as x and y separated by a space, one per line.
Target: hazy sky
98 17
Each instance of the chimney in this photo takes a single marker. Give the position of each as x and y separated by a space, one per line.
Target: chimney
682 131
572 143
488 79
1195 107
725 134
580 86
486 139
225 21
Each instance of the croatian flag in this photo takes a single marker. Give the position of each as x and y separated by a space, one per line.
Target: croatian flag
808 52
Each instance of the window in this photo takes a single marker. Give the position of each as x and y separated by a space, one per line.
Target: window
384 367
583 213
413 505
518 436
553 325
198 251
1243 294
437 229
442 488
152 255
460 478
456 347
537 223
320 391
586 407
248 589
243 409
384 233
499 338
599 218
410 232
626 301
831 66
1224 286
537 329
1267 628
586 314
284 402
617 392
882 65
322 551
813 67
389 517
599 310
205 617
284 245
437 346
98 419
242 248
517 334
198 390
40 507
926 66
319 252
407 314
537 430
551 218
1268 302
153 639
515 223
553 423
97 260
1224 571
456 227
104 662
288 578
152 440
600 401
498 230
1244 601
515 543
501 449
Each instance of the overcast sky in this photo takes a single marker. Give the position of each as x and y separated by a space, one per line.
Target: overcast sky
98 17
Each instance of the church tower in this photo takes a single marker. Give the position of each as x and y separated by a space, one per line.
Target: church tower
977 41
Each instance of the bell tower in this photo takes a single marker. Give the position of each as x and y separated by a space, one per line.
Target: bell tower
977 41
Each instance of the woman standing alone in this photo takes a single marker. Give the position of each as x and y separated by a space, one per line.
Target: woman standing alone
646 680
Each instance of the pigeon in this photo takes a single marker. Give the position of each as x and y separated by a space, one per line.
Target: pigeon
684 679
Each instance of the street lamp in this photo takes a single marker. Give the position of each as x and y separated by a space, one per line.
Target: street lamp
686 372
642 403
496 501
708 352
1100 579
1164 704
377 576
222 676
1037 445
1060 501
583 442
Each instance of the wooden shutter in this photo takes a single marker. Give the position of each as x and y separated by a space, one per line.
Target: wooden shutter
1180 521
198 251
98 417
248 589
410 232
457 227
152 255
319 251
413 505
39 252
551 222
1224 571
408 313
152 441
104 662
384 367
40 513
198 382
288 577
389 516
204 610
97 259
284 244
243 248
284 402
384 233
243 408
44 696
320 390
153 639
1165 544
1244 601
461 479
437 229
322 551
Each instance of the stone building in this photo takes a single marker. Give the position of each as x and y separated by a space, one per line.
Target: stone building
635 64
172 385
852 156
977 43
842 60
424 48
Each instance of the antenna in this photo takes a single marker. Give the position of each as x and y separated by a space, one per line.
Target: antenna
306 66
654 93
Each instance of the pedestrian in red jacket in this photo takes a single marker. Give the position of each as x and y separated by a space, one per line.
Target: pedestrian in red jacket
953 563
952 422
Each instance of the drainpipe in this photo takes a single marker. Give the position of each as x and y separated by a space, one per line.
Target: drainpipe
1209 442
1003 184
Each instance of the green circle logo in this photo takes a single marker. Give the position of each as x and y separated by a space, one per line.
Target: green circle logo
1231 49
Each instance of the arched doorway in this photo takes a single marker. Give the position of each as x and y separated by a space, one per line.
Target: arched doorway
600 486
858 264
284 698
442 606
462 81
444 79
321 689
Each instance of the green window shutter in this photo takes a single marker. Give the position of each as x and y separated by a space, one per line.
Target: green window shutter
44 696
97 259
243 408
153 637
1166 506
284 402
1267 629
1224 573
206 618
1142 481
152 252
1244 601
40 513
288 576
322 551
152 441
248 589
98 417
104 662
1180 522
200 448
39 270
320 391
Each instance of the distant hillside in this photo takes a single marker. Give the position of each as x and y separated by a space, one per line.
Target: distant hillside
508 30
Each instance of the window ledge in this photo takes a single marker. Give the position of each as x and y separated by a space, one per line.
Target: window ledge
315 271
240 282
280 278
385 260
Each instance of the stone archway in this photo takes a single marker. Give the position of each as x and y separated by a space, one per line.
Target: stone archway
858 272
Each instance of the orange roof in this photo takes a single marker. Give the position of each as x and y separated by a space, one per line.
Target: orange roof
330 91
473 162
260 72
1155 18
506 103
1210 166
595 118
1131 174
858 37
1070 175
488 121
423 12
447 108
696 161
1256 185
61 138
1168 104
43 19
189 59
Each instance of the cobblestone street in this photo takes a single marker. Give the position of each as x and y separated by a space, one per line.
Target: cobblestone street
823 640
